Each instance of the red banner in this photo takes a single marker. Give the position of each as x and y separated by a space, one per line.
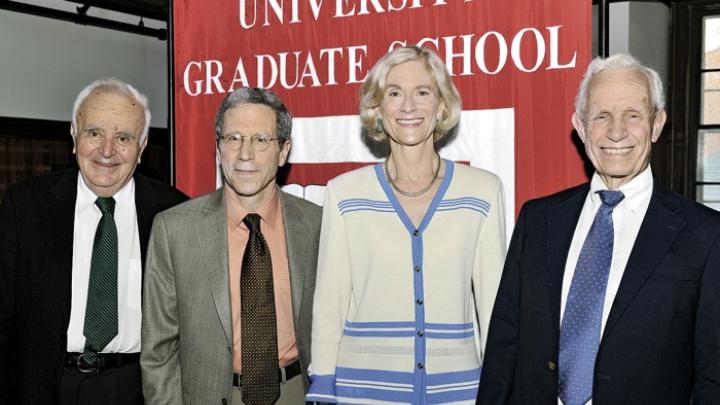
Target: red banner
516 63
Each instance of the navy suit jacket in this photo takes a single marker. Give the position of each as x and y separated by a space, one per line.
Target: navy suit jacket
661 342
36 246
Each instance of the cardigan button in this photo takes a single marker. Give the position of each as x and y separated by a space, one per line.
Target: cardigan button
419 301
416 233
417 269
420 334
420 365
551 365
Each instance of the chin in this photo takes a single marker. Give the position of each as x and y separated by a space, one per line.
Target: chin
244 190
411 141
616 168
103 181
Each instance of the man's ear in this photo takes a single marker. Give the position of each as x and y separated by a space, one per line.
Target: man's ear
284 153
658 124
73 136
578 125
142 148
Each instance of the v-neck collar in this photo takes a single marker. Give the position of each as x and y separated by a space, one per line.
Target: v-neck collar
387 188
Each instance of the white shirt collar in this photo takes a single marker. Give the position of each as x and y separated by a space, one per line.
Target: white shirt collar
636 191
86 198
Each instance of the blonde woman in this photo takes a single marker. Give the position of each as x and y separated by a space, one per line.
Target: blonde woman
411 252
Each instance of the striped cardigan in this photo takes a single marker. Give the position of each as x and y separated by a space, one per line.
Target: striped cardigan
395 305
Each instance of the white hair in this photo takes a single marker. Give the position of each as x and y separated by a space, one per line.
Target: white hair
115 86
620 61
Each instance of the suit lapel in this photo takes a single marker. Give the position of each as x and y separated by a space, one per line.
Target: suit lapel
212 238
657 233
145 208
563 219
293 220
59 209
212 235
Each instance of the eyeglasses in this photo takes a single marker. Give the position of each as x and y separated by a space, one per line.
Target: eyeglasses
95 137
259 143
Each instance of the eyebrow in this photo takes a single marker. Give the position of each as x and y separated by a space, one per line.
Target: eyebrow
621 109
93 128
97 128
242 134
422 86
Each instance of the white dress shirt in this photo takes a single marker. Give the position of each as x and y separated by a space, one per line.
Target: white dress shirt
87 217
627 217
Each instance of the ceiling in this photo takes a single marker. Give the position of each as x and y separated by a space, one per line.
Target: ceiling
152 9
155 9
83 12
158 9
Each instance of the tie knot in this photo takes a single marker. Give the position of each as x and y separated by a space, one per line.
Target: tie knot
611 198
106 205
252 221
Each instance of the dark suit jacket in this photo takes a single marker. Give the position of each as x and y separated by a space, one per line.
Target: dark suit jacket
661 343
36 247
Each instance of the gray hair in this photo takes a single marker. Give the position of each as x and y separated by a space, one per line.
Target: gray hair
621 61
114 86
256 95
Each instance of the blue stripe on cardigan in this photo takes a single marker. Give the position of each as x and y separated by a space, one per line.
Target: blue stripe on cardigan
454 204
407 329
358 384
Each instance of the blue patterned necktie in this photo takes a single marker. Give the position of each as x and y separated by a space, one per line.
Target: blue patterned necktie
580 330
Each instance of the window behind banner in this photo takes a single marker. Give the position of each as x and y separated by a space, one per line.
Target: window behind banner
690 153
708 133
33 147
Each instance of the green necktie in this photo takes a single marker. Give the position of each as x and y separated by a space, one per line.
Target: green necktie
258 327
101 312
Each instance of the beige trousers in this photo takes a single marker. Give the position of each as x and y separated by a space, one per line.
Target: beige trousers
291 393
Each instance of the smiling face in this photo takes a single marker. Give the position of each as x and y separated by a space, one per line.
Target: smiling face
248 173
105 166
619 126
410 106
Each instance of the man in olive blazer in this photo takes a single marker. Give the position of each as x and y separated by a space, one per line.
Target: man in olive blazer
188 339
191 239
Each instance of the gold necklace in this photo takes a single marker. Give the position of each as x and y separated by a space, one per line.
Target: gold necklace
413 193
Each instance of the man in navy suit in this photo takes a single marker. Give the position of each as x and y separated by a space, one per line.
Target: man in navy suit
611 290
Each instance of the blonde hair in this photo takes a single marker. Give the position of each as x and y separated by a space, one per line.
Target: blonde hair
373 89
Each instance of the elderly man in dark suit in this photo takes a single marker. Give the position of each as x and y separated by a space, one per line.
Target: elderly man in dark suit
611 290
72 244
231 275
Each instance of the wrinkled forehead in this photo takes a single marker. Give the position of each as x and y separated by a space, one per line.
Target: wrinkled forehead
615 84
111 104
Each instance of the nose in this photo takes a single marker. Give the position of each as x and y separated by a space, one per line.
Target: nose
408 104
107 146
617 131
246 151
